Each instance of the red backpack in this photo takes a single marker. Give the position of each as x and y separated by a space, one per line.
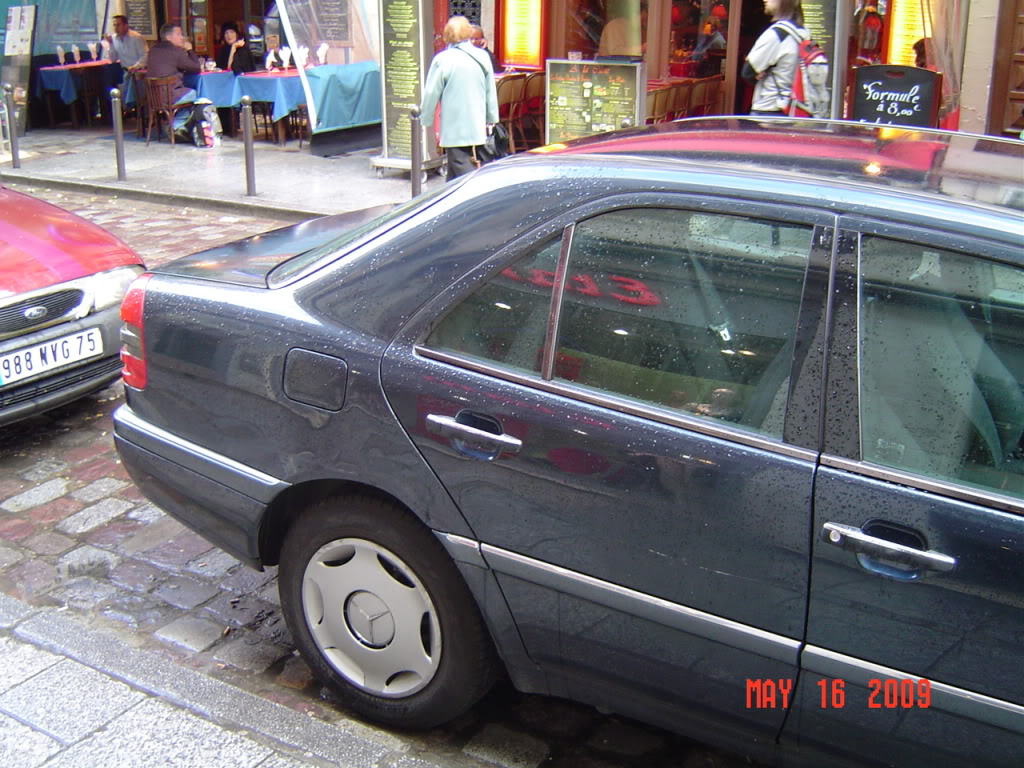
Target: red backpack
810 95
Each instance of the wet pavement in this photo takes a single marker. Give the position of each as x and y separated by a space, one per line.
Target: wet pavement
78 538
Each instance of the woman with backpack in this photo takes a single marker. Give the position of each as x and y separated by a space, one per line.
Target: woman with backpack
772 63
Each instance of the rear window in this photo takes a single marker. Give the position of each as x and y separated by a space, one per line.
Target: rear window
318 257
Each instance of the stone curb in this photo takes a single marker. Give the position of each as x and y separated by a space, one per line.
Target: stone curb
195 691
289 214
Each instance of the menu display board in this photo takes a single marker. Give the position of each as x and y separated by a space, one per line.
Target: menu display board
142 17
334 21
406 33
893 95
588 97
17 62
820 21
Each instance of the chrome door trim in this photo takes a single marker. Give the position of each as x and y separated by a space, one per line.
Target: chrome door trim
922 483
948 698
662 416
644 606
461 549
547 369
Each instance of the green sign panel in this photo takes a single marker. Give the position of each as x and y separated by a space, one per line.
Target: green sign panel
588 97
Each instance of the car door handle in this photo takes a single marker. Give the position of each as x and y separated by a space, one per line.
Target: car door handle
852 539
446 426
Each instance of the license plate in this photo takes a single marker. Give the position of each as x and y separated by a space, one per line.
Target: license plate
31 361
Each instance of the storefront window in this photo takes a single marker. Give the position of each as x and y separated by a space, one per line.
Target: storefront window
916 33
698 42
607 28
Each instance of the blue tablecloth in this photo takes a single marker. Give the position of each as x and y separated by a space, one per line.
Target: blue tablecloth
218 87
65 81
345 95
284 92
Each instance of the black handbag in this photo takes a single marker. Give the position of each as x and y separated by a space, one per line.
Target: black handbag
495 147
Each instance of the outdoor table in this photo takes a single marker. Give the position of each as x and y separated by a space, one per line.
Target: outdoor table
282 88
218 86
65 80
346 95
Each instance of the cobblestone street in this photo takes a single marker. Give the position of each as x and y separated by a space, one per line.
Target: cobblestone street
77 535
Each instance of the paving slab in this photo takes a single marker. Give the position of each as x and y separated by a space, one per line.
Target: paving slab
155 733
21 747
69 700
22 661
94 516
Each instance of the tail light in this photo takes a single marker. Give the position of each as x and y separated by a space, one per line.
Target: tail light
133 350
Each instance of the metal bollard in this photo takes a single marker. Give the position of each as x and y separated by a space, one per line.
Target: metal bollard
416 171
115 109
12 124
247 139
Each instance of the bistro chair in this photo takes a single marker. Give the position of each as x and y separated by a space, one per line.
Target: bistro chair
662 103
698 98
90 93
160 99
141 101
532 117
714 92
681 99
511 90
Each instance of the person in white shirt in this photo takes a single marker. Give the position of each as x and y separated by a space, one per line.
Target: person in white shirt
127 46
772 62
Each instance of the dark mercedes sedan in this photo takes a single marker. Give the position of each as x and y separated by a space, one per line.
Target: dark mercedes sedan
716 424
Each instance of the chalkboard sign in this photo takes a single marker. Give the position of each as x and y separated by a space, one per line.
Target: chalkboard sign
896 95
588 97
142 17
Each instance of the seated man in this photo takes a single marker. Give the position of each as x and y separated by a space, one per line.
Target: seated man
173 55
127 47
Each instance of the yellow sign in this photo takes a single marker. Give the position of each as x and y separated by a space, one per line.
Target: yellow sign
521 30
907 27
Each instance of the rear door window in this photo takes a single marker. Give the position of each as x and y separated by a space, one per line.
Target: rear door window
941 364
688 310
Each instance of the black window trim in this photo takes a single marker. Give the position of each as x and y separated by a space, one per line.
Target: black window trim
421 325
851 228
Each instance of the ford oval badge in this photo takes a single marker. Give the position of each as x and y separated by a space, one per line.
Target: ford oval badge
35 313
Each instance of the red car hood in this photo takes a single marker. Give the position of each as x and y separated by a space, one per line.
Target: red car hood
41 244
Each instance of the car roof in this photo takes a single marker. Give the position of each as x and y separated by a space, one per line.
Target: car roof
944 166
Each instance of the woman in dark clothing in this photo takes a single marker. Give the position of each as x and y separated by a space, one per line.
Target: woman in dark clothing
234 54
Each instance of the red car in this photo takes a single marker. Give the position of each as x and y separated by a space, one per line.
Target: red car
61 284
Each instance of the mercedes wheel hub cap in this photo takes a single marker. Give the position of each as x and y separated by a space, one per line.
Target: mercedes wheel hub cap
370 620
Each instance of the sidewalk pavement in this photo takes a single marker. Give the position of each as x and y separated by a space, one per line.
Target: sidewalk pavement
72 697
290 183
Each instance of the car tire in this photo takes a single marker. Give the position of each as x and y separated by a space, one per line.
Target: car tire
381 614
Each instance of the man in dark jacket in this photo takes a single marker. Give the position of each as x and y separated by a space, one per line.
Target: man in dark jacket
173 55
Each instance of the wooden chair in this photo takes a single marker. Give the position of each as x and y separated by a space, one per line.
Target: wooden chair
511 90
662 103
533 107
160 99
300 119
681 99
141 102
697 98
713 94
90 93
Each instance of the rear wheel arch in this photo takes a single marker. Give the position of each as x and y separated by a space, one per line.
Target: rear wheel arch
285 509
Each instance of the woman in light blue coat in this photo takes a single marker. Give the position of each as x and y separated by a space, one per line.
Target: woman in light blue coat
462 79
